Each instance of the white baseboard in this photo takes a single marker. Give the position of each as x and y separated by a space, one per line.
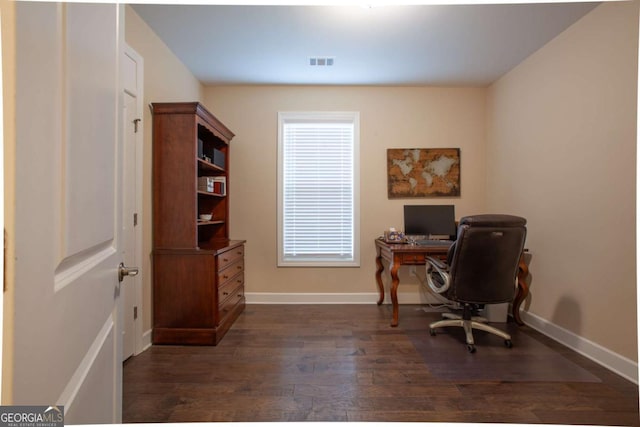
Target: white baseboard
621 365
145 342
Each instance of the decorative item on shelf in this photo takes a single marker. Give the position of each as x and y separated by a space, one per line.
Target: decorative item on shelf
213 184
200 149
218 158
206 183
206 217
220 185
206 158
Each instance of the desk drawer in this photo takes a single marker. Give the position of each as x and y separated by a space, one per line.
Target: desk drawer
416 258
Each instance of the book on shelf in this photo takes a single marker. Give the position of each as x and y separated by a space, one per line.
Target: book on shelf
213 184
206 183
220 185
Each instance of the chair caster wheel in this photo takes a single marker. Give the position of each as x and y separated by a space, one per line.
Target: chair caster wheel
471 348
432 332
508 343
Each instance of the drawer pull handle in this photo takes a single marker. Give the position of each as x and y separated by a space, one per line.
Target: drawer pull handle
238 281
239 267
225 293
225 260
224 276
239 252
239 295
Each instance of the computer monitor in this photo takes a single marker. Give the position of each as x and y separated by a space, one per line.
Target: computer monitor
432 221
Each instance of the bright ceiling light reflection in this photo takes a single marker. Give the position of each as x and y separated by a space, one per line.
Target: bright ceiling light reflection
374 4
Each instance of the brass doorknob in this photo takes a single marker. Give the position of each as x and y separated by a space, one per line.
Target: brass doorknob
126 271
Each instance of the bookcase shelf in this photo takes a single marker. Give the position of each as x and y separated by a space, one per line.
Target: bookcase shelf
203 222
210 193
204 165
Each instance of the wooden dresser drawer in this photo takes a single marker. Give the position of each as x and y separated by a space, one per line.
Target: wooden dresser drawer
225 307
227 288
230 271
229 257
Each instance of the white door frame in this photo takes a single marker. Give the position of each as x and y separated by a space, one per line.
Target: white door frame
2 204
137 281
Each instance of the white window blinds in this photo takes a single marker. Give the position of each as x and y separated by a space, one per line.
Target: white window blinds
317 189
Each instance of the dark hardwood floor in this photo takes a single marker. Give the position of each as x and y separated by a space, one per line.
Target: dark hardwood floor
345 363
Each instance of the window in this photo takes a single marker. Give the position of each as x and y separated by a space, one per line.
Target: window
318 189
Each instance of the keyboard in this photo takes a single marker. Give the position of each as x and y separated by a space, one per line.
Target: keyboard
429 242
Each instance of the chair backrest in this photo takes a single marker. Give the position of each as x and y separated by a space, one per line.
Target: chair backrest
484 260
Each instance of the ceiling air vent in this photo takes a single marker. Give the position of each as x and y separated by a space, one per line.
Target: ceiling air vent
321 61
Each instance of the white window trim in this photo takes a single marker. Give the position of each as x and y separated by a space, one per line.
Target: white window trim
353 116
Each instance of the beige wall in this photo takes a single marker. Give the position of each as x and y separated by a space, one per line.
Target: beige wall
400 117
561 151
166 79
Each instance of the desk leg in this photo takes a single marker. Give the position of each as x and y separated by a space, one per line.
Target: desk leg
394 291
523 290
379 278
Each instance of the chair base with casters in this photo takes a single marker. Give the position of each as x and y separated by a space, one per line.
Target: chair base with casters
469 322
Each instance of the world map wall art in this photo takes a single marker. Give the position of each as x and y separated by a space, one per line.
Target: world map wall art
423 172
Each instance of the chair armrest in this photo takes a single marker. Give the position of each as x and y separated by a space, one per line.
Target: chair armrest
438 276
437 262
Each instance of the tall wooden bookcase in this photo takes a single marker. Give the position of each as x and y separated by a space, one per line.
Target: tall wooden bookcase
198 272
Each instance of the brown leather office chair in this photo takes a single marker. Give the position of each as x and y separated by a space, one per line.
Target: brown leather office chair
481 268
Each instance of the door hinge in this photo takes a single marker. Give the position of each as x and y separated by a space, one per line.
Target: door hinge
135 125
135 219
135 312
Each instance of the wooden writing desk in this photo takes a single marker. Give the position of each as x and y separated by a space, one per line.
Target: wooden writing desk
404 254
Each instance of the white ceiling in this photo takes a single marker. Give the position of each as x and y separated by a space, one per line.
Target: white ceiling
392 45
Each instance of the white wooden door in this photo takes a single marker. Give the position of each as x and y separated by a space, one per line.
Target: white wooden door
132 75
67 340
